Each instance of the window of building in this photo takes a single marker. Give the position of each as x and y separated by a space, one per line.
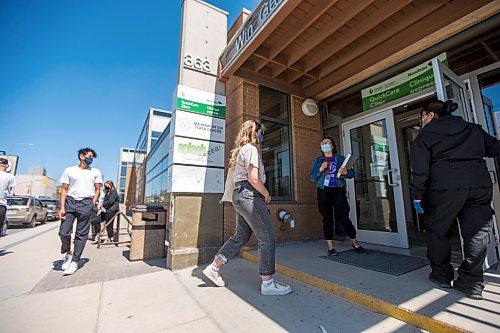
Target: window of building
123 182
274 109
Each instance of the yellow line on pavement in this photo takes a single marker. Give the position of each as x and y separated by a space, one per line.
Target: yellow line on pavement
410 317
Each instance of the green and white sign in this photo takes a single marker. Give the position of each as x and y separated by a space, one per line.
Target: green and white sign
199 101
404 84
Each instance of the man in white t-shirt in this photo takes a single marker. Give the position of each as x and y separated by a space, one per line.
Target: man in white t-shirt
7 184
81 187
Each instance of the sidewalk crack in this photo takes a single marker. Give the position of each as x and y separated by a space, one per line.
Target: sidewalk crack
96 328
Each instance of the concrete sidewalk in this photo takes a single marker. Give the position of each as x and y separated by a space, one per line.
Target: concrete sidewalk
112 294
410 295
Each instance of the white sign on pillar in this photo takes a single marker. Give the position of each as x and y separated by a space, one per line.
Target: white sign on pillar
197 132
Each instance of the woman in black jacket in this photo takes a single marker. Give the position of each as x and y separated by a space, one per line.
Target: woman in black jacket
448 166
111 204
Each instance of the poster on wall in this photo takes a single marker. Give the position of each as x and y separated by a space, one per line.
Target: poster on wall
198 152
198 126
199 101
409 82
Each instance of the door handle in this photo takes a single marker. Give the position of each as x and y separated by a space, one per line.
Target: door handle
390 176
493 177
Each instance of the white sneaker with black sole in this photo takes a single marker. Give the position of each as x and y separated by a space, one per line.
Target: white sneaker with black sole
214 276
66 261
73 267
275 289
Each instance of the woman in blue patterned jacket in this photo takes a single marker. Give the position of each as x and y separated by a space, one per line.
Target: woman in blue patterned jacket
332 194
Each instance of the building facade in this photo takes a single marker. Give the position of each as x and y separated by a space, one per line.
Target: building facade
370 66
35 185
156 122
125 167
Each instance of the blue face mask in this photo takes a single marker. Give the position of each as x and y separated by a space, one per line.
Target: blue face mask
260 138
325 148
88 160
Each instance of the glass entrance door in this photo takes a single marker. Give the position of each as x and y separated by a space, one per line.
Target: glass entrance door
450 87
375 194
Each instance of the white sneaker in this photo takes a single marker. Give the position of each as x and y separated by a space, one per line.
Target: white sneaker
214 276
275 289
73 267
66 261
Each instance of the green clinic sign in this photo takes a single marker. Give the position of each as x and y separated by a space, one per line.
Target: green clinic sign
199 101
404 84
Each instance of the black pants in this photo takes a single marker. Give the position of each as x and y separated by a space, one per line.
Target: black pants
109 215
3 211
332 199
472 208
96 225
83 211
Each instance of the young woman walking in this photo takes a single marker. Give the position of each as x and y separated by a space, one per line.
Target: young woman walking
249 200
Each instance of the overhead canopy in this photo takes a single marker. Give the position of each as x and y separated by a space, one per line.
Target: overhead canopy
314 48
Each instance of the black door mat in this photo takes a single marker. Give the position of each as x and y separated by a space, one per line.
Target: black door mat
384 262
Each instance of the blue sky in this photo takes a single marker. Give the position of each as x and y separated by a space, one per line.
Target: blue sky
84 73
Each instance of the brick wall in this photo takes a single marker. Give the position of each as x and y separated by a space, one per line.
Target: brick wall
243 104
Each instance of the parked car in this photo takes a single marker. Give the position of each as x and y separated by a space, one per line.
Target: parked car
25 210
53 206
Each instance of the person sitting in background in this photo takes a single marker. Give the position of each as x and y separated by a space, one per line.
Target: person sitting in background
110 206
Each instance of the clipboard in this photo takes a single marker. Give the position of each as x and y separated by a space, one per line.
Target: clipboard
348 163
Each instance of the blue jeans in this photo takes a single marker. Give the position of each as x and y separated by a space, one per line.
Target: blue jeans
252 216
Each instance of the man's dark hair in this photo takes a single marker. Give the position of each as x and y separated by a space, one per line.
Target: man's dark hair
85 150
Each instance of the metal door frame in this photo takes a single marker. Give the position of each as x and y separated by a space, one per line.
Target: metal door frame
399 239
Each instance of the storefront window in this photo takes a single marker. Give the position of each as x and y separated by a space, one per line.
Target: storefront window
274 111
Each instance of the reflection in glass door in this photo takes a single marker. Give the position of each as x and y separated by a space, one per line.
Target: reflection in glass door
450 87
375 195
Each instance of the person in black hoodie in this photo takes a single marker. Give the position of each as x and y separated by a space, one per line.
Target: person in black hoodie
450 180
111 204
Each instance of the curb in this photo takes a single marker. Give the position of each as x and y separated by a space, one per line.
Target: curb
395 311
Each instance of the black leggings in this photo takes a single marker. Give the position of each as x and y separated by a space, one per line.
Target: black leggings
332 199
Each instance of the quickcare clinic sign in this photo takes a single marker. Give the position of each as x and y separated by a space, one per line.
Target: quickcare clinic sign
409 82
199 101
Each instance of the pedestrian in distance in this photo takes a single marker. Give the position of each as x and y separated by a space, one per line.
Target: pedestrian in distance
450 180
249 199
111 205
7 184
80 190
331 194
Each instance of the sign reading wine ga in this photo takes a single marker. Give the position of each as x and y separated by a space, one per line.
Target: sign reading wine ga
253 23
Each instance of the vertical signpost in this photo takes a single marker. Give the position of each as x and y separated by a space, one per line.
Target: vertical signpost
197 135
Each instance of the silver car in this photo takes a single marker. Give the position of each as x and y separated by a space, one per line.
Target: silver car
25 210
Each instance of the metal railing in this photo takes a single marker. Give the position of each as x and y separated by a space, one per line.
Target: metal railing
116 235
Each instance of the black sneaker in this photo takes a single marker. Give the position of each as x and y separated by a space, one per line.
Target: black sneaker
439 283
333 252
360 249
471 293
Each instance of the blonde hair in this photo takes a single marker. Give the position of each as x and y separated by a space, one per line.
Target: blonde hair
245 135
